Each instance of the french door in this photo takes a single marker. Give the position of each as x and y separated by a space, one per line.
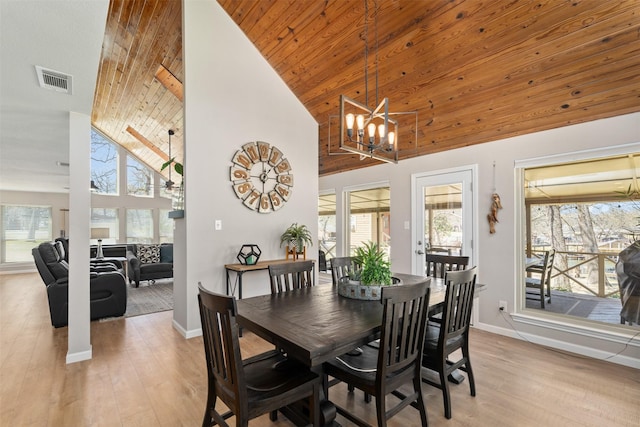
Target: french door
443 215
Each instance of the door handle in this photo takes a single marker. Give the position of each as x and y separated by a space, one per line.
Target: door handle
420 252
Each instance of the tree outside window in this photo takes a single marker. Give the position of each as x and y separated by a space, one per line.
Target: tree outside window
139 226
106 218
23 228
165 226
139 178
104 164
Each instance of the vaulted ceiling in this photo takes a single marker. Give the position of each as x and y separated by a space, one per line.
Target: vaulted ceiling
474 71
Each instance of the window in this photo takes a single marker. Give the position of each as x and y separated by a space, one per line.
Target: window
139 179
164 193
327 224
369 218
105 218
588 212
165 226
139 226
23 228
104 164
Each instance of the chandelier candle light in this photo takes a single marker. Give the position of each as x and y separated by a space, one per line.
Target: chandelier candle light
380 140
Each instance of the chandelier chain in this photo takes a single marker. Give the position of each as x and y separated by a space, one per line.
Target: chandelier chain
366 53
366 49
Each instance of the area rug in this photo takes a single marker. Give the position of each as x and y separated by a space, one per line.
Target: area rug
149 298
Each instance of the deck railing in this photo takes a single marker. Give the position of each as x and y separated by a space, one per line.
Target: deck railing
607 282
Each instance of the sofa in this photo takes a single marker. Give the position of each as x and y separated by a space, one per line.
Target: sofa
150 262
119 251
107 285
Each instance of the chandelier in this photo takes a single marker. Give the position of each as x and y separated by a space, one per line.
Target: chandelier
371 133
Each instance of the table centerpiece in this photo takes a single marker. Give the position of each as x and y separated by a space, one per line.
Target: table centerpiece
372 272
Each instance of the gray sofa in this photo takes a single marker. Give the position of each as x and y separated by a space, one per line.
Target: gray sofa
107 285
149 262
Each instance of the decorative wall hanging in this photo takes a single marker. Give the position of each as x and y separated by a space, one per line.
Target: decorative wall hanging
495 205
261 177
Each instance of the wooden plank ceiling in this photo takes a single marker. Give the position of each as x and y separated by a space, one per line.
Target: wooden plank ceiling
473 71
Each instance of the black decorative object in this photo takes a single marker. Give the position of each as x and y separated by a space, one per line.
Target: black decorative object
628 272
249 254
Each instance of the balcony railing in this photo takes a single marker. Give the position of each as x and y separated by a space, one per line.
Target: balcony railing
580 281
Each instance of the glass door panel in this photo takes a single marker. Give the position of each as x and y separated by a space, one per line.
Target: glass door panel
443 217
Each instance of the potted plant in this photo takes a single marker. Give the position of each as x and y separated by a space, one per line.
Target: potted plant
373 272
296 237
178 197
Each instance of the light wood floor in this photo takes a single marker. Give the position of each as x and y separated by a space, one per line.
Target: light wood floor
143 373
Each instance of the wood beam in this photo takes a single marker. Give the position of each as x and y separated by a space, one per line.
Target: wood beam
170 82
147 143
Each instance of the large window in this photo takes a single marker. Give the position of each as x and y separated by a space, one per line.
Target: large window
106 218
104 164
139 226
139 178
23 228
165 227
587 211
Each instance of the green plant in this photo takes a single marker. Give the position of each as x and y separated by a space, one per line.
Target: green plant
297 235
176 166
375 269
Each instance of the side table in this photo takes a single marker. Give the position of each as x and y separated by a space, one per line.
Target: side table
240 269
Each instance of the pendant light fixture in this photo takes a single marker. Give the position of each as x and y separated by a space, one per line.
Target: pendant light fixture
168 185
372 133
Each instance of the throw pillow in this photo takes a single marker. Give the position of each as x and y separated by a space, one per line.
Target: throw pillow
148 254
166 253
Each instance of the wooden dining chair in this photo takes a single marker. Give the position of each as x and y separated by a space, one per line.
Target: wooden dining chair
254 386
438 265
451 334
341 267
541 279
382 369
291 275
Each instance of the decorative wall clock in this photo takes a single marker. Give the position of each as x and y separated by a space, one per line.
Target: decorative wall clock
261 177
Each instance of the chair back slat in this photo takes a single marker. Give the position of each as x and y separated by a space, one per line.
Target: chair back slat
222 347
458 303
403 327
547 268
341 267
438 265
291 275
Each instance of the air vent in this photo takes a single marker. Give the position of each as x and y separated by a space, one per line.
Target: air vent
54 80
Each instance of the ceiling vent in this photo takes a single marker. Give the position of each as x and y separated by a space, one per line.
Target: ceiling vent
54 80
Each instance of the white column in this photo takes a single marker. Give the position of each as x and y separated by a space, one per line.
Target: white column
79 339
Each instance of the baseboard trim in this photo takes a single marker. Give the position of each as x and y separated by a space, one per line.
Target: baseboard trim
561 345
185 333
79 356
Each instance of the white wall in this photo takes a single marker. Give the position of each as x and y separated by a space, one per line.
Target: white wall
497 253
232 96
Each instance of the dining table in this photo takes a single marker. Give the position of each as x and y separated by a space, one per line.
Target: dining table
316 324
